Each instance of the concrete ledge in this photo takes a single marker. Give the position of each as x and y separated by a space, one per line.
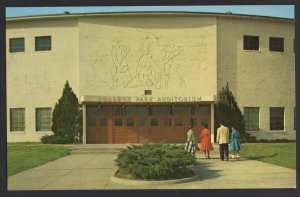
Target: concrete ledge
142 182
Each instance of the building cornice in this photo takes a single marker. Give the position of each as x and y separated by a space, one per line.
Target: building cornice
152 13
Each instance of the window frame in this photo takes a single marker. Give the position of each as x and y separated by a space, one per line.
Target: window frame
17 128
11 45
44 47
250 45
39 126
281 127
275 44
253 116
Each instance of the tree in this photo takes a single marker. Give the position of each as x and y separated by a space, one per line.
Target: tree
67 116
228 112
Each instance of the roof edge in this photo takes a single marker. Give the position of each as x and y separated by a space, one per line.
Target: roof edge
70 15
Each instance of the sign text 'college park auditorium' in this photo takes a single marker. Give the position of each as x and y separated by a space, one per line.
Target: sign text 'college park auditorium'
149 99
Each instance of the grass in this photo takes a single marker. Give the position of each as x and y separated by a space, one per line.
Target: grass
281 154
24 156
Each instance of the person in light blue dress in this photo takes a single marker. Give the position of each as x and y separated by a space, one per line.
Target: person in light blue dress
235 144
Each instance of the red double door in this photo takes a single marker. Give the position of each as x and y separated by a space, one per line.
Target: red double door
144 124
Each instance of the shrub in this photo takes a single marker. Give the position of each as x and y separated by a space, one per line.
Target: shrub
228 111
66 119
54 139
156 161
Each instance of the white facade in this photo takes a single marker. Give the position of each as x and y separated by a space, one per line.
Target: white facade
183 58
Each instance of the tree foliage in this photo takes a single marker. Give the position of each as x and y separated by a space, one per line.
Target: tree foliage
228 112
67 117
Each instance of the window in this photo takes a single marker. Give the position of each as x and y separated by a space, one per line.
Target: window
276 44
167 122
148 92
276 118
43 119
91 122
118 122
251 43
251 117
17 119
130 122
154 122
178 122
43 43
103 122
16 45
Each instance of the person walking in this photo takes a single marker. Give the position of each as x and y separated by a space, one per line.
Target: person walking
235 144
190 145
206 145
223 140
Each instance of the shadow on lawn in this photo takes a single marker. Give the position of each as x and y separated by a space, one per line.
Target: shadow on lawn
258 157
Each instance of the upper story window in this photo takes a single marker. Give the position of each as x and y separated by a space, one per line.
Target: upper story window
16 45
251 43
276 44
43 43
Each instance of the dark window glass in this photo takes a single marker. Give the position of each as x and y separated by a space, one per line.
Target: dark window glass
154 111
16 45
97 110
43 119
143 110
193 122
167 122
276 118
91 122
251 42
130 122
178 122
43 43
118 110
276 44
143 122
204 121
103 122
17 119
203 110
118 122
166 110
176 110
154 122
251 117
130 110
148 92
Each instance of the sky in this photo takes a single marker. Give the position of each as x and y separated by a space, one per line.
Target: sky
283 11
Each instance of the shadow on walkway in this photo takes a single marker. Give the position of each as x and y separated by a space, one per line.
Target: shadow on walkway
205 172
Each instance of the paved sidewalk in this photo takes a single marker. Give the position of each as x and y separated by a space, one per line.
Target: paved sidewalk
94 170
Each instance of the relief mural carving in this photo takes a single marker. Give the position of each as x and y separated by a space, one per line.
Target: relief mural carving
154 64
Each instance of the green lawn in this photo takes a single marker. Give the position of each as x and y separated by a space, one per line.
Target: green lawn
282 154
23 156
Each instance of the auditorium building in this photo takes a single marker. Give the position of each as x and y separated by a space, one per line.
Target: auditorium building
143 77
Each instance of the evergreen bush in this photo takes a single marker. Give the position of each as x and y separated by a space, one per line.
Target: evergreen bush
54 139
228 112
66 119
156 162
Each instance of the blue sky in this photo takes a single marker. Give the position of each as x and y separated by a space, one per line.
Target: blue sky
284 11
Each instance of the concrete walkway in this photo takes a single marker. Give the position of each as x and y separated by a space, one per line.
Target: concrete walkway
83 170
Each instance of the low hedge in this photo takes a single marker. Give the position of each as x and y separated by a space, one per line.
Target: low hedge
156 162
54 139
